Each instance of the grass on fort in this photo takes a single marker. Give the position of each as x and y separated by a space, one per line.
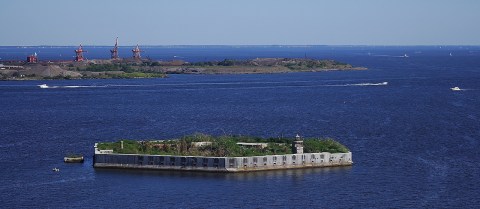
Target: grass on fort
221 146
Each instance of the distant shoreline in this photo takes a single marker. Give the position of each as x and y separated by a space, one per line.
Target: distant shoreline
144 68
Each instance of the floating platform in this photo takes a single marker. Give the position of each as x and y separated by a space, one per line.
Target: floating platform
78 159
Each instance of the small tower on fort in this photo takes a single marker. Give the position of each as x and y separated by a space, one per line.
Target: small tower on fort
136 52
114 51
297 145
32 58
79 54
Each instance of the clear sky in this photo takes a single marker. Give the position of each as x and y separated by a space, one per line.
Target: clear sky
240 22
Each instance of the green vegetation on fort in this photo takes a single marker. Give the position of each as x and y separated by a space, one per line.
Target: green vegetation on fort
221 146
325 145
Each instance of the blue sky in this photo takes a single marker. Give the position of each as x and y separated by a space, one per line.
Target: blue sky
245 22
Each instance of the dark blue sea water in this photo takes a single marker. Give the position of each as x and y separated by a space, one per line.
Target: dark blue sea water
415 142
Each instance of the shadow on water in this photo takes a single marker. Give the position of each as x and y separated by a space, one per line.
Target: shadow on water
227 176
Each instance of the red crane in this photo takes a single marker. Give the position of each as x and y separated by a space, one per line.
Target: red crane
136 52
79 54
114 51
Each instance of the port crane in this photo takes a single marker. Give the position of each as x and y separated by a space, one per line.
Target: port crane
79 54
136 52
114 51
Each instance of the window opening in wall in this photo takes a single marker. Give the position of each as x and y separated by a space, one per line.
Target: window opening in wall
194 161
205 162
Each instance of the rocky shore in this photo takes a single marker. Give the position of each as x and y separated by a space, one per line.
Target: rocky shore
130 68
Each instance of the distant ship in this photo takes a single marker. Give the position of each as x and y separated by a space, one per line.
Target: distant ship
451 54
43 86
405 55
455 88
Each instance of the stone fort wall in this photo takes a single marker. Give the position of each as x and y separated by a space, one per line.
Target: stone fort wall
221 164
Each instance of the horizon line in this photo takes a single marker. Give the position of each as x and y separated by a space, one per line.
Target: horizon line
259 45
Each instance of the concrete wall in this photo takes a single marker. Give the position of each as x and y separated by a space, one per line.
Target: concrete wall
221 164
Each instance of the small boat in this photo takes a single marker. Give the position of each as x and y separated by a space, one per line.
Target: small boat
56 169
405 55
43 86
455 88
73 159
451 54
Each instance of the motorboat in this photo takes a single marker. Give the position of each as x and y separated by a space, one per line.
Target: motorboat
456 88
43 86
56 169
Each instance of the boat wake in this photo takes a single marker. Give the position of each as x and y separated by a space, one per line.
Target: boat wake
217 85
456 88
363 84
369 84
45 86
385 55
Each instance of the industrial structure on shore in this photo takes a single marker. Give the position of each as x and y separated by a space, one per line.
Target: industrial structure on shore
32 58
79 57
136 53
79 54
113 53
